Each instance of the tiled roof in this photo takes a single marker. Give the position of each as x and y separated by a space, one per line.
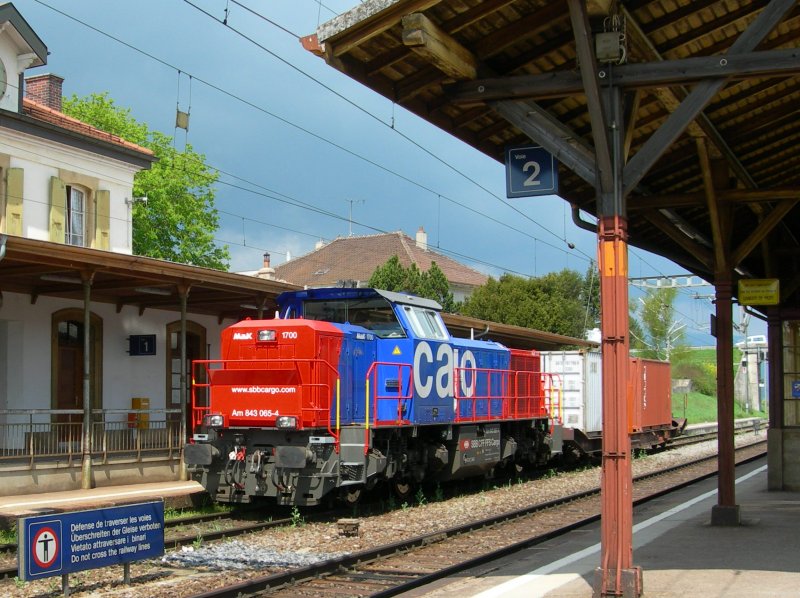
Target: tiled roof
355 258
48 115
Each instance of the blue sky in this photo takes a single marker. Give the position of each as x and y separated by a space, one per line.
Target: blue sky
300 145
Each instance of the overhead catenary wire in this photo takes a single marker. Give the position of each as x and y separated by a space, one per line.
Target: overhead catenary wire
439 196
390 125
324 139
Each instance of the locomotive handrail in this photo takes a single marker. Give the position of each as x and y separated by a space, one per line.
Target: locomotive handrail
199 411
372 372
530 399
555 407
459 377
522 394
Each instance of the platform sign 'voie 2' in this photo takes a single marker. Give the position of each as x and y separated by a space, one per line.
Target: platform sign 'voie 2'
63 543
530 170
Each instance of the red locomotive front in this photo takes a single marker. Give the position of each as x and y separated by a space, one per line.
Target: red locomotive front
273 373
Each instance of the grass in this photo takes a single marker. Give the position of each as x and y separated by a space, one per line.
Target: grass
8 536
700 406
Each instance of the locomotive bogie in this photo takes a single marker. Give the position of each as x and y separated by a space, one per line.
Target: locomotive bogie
302 469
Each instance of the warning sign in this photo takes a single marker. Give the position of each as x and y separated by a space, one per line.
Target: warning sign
63 543
45 547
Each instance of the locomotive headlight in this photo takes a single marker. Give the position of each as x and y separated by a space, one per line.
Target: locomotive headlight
287 422
213 421
266 336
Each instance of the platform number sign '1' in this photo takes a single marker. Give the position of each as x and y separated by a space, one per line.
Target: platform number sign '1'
530 170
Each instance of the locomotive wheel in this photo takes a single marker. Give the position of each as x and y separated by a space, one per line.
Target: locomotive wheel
403 489
350 495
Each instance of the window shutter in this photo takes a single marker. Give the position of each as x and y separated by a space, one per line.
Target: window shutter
14 193
58 210
102 220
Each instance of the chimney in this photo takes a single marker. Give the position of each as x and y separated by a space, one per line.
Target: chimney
422 239
266 271
45 89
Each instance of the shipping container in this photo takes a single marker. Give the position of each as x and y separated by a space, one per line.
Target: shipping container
651 386
581 379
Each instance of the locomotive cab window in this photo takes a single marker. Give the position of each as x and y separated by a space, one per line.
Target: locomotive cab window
426 323
374 314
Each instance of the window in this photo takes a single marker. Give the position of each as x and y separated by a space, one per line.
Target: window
375 314
426 323
75 232
80 213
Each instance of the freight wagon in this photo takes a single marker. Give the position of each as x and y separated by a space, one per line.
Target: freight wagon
649 399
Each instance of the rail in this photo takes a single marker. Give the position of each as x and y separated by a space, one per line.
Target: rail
31 436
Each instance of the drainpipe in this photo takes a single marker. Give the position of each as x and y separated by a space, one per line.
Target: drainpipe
183 292
86 465
580 222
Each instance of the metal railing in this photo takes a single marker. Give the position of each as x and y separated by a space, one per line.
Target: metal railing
30 436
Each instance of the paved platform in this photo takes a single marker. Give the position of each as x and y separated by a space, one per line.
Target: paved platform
34 504
681 554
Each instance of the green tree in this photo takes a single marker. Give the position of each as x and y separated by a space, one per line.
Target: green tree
435 286
662 333
637 336
591 294
179 220
393 276
555 302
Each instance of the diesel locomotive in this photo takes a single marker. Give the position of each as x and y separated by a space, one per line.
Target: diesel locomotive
348 388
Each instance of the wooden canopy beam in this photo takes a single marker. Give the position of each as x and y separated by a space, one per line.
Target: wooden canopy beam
644 75
761 231
366 20
587 60
693 200
699 97
697 251
721 261
437 47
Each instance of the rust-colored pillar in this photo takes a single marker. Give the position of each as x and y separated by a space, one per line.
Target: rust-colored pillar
726 511
616 575
775 344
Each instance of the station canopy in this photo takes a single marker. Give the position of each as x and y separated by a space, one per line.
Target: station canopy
711 154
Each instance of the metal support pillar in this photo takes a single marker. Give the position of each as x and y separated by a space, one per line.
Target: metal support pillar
616 575
726 511
86 444
183 292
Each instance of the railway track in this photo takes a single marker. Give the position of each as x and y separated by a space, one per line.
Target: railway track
183 531
399 567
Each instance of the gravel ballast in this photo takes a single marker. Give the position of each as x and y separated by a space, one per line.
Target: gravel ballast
198 568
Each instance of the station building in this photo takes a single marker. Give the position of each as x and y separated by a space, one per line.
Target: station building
66 198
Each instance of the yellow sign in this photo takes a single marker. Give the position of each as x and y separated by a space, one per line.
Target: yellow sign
396 351
759 291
